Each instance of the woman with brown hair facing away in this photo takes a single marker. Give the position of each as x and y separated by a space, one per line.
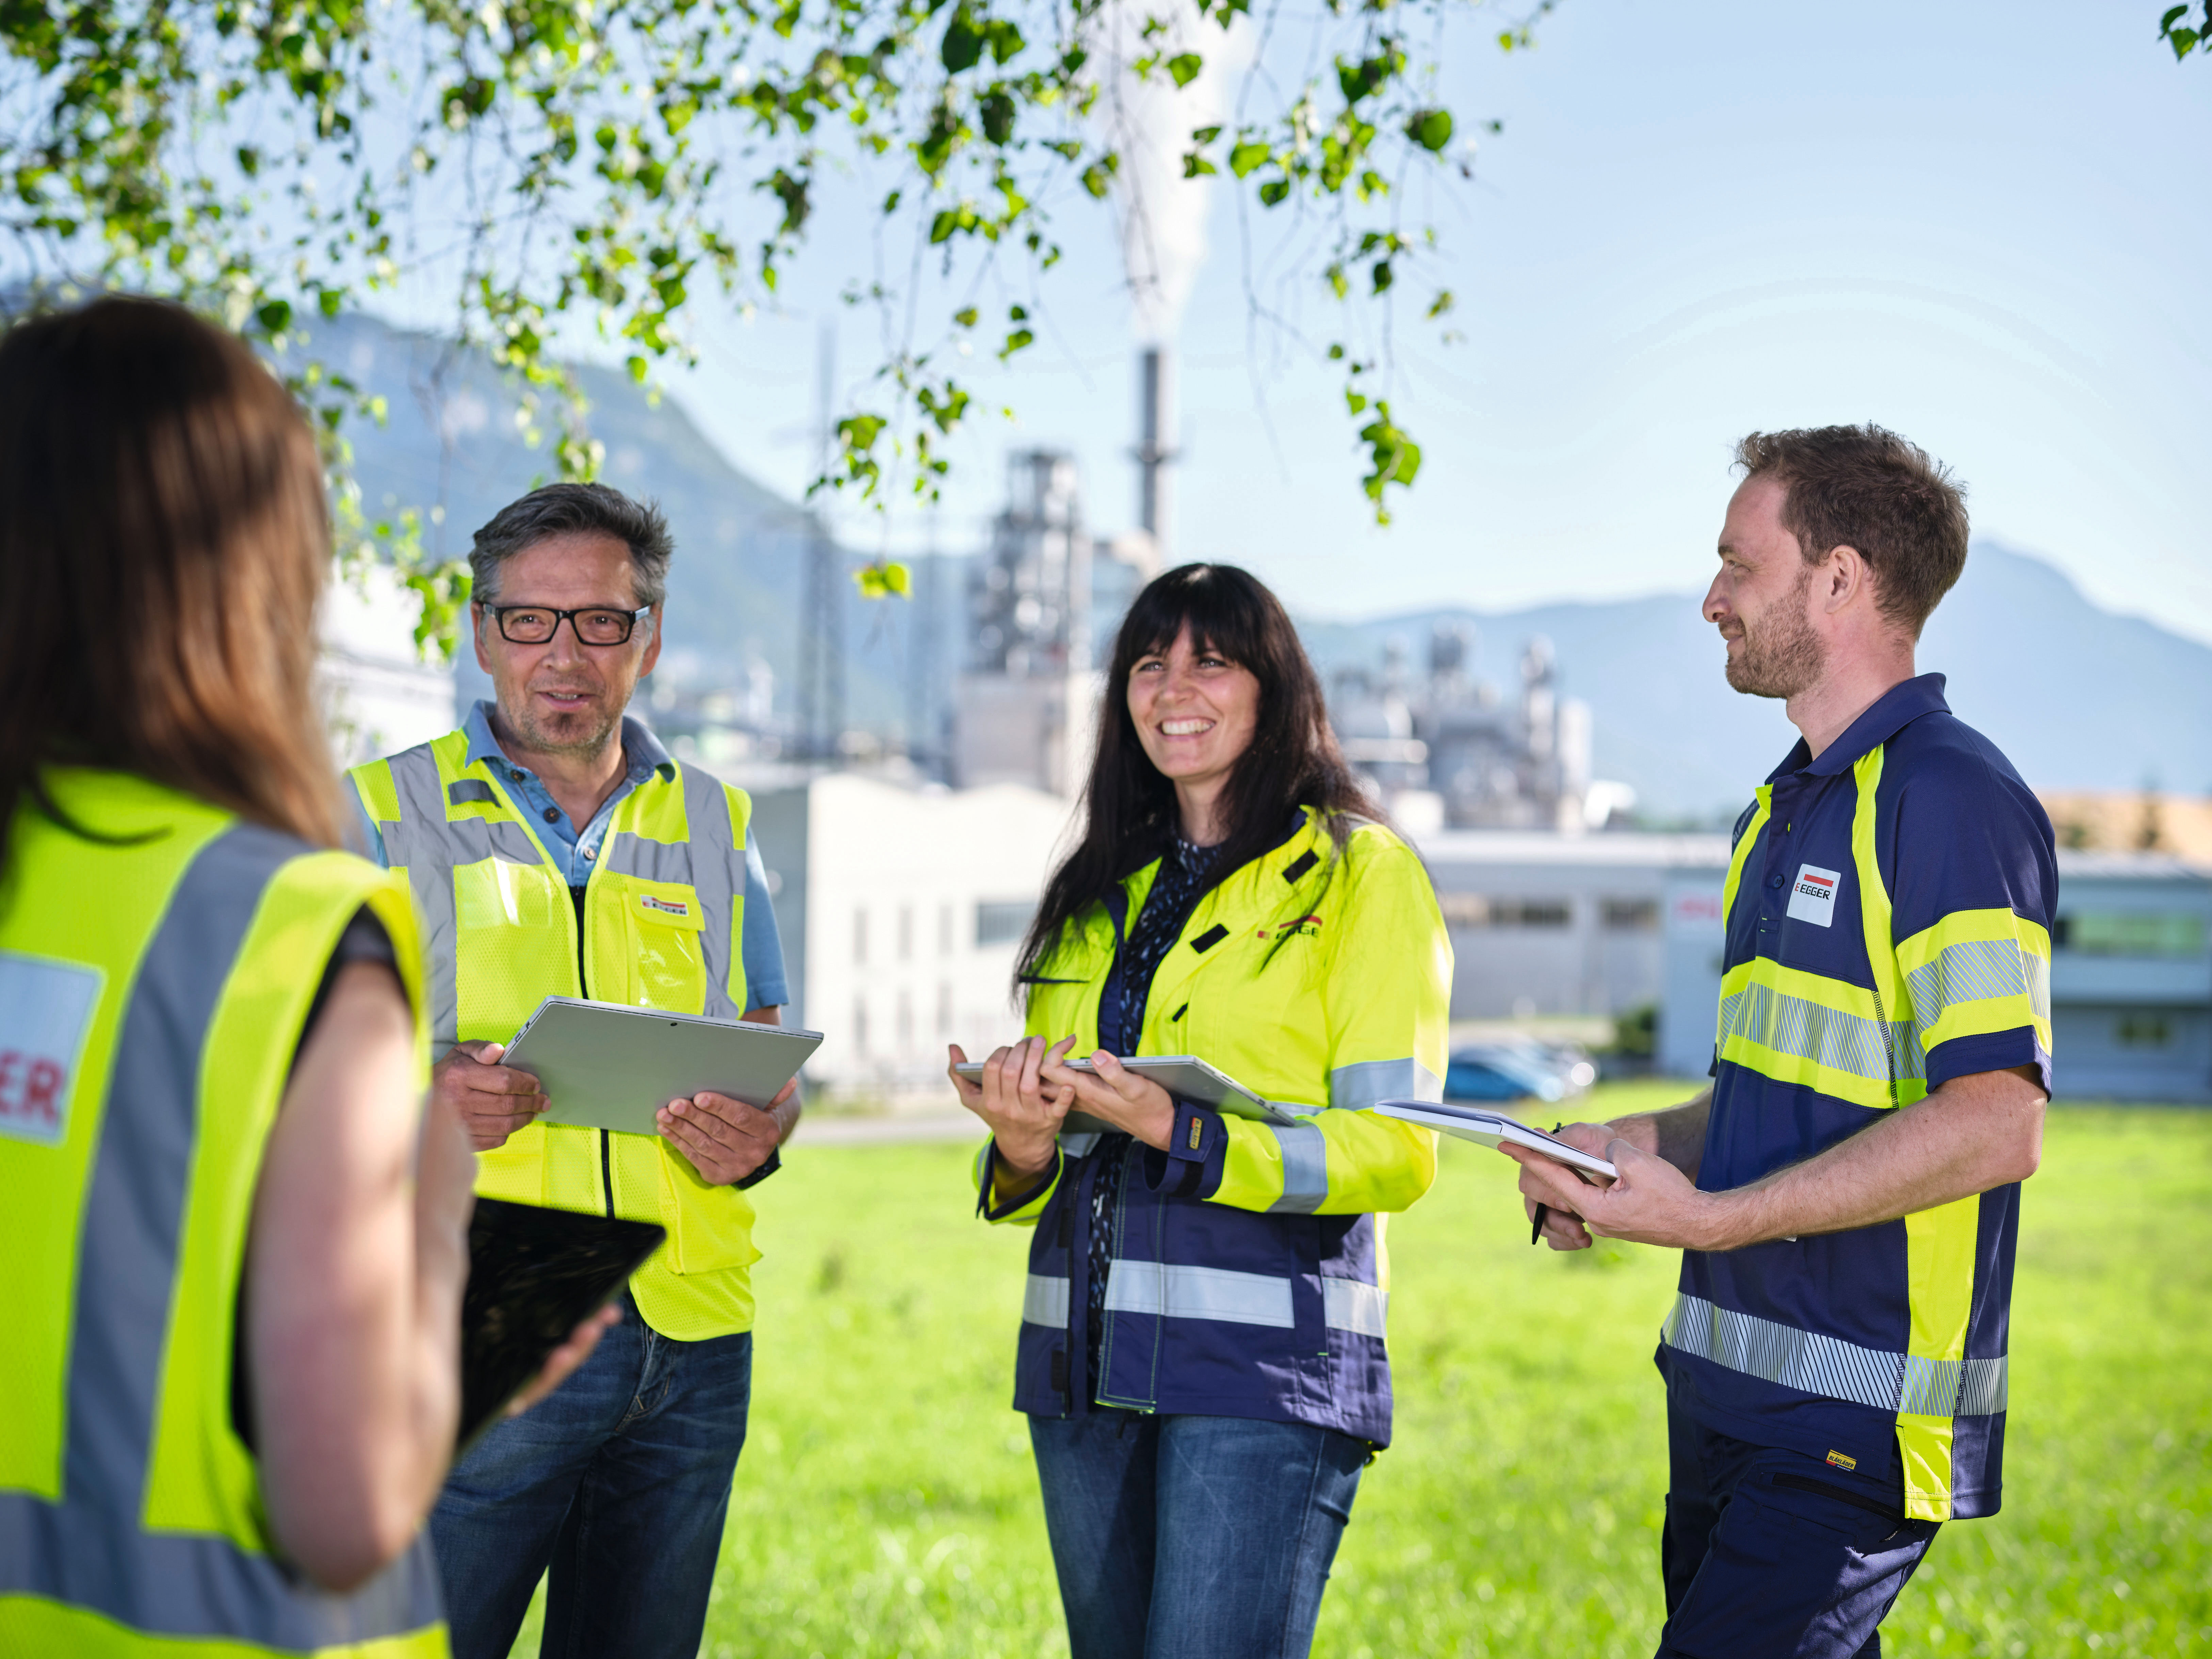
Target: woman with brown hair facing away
235 1253
1201 1353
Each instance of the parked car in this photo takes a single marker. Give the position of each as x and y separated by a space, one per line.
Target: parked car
1517 1068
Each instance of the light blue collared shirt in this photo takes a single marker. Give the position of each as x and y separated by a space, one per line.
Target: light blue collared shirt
578 852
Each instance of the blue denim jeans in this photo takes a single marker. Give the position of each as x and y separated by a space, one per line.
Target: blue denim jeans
619 1484
1185 1537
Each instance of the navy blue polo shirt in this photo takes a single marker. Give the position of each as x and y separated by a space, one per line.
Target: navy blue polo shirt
1808 1343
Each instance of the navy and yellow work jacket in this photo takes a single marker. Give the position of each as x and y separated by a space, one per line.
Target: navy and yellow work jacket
1251 1279
1888 913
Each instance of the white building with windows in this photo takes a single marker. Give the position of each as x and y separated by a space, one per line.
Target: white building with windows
901 908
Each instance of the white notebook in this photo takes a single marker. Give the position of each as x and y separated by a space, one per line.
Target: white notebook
1487 1129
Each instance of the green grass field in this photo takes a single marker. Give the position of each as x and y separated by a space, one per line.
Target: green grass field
886 1503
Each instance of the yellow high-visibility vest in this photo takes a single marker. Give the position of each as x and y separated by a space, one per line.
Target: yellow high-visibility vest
153 989
662 919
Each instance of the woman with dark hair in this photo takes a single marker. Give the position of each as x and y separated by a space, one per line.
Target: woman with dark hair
235 1248
1201 1353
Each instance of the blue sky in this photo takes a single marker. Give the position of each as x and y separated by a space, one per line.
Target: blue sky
1981 224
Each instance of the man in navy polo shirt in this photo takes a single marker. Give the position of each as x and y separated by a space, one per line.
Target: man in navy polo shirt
1845 1194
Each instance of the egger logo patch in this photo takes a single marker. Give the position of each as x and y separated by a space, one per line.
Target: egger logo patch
666 907
1813 896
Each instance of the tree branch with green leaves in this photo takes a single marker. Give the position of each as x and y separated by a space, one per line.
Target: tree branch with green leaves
548 173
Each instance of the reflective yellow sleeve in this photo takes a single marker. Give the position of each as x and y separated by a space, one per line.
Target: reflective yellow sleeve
1023 1214
1975 973
1386 1004
1336 1163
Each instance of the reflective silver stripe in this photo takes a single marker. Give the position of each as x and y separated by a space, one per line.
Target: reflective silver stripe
88 1551
710 860
1044 1301
718 876
1809 1031
1305 1170
417 841
1348 1305
1825 1365
1356 1087
1150 1287
1974 972
1079 1143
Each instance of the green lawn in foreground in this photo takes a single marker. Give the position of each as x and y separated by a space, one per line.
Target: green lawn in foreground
886 1503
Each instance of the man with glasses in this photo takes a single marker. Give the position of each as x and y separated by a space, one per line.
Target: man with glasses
554 848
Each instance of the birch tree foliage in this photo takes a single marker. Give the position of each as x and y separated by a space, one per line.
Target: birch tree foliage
537 171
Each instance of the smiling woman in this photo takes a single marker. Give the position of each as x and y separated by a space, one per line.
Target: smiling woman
1201 1355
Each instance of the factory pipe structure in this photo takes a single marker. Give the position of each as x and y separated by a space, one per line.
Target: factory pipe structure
1155 451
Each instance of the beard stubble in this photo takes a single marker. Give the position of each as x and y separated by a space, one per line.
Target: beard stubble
1782 656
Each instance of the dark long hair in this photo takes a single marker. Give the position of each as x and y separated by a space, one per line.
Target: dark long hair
1129 807
163 540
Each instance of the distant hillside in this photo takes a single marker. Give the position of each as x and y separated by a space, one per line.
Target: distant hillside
736 586
2078 697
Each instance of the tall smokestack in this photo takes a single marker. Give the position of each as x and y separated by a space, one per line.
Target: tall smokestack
1155 443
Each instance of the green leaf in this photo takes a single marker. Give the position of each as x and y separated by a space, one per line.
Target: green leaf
962 46
1248 155
1015 342
1098 177
1005 40
1444 302
328 301
275 315
965 316
1195 165
1431 129
1185 66
1203 136
1384 277
1273 192
857 433
881 579
636 365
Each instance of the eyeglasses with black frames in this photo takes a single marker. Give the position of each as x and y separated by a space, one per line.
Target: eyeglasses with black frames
535 624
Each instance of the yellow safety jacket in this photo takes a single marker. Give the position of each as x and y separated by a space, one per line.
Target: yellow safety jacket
662 918
152 990
1249 1277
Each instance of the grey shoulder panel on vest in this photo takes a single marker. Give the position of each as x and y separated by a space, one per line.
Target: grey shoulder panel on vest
88 1551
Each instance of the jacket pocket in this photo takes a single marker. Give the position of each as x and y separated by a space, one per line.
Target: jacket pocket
661 921
710 1228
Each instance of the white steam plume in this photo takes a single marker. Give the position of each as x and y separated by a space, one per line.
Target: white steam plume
1150 122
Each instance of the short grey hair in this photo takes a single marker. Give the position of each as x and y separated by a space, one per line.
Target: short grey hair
564 509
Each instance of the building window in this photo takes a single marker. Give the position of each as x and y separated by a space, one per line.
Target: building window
1631 915
2144 1030
2129 933
1001 922
1477 910
860 939
906 932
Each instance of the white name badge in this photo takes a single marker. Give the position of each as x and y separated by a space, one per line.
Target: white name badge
1813 896
45 1012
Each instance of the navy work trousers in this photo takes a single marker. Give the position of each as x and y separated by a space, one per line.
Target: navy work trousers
1771 1554
619 1484
1186 1537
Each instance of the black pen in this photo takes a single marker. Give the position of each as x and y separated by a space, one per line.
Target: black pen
1536 1233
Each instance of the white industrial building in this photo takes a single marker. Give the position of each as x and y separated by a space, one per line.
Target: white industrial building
379 696
901 909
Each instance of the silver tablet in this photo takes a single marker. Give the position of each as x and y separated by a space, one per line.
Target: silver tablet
607 1066
1186 1077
